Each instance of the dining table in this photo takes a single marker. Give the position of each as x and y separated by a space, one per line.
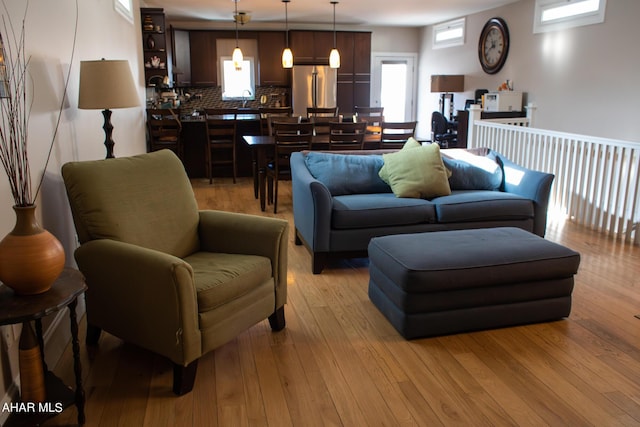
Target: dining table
262 151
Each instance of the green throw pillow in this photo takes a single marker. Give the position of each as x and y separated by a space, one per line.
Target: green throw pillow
416 171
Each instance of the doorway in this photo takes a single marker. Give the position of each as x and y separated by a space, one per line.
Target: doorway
394 81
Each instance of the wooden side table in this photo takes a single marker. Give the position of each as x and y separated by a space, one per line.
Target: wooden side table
19 309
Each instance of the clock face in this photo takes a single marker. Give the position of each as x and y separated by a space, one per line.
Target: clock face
493 45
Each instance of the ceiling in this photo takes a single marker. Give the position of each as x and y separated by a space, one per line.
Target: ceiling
405 13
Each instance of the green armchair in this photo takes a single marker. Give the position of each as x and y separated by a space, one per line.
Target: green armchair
163 275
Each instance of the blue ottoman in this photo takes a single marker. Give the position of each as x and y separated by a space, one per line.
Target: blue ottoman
446 282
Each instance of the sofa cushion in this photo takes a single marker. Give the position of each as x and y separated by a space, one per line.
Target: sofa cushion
416 171
471 172
482 205
379 210
346 173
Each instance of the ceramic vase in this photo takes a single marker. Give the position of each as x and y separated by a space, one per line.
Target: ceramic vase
32 388
31 258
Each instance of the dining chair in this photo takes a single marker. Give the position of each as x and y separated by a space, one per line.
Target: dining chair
280 119
289 138
267 112
369 111
395 134
221 141
320 117
164 130
347 135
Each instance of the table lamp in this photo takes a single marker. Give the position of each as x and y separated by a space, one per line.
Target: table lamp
447 85
107 84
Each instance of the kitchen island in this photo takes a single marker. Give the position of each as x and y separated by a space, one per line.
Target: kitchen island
194 138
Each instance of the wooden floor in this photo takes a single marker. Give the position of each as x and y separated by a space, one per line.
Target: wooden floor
339 362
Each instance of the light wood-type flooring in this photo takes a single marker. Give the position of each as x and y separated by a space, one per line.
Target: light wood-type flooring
339 362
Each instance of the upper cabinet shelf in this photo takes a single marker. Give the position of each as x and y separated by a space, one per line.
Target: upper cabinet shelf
154 45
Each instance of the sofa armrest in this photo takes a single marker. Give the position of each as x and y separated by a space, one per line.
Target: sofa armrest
238 233
312 205
531 184
143 296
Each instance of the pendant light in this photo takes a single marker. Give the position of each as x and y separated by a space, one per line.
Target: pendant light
237 57
287 55
334 56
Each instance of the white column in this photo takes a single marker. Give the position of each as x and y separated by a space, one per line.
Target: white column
531 113
474 114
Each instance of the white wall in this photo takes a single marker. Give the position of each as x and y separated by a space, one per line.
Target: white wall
395 39
102 32
583 80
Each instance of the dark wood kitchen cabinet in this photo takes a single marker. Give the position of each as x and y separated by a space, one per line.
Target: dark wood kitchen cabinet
354 74
311 47
204 63
181 57
270 47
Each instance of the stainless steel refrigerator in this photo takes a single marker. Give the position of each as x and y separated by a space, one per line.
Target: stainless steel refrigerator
313 86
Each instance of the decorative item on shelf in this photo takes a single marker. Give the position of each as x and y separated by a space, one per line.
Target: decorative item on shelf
506 85
237 56
148 23
287 54
334 55
31 258
105 85
155 61
151 43
32 387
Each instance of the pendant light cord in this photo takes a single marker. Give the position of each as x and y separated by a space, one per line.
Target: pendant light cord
286 21
235 18
334 23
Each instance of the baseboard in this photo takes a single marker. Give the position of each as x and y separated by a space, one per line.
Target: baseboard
56 336
12 395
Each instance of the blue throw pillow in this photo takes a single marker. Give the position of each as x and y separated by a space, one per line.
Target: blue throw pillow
347 173
486 175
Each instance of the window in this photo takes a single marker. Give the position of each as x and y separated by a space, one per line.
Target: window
553 15
238 84
125 8
449 34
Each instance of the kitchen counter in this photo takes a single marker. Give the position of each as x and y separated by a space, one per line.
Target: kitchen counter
194 137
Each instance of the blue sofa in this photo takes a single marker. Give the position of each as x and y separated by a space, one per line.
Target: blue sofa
340 202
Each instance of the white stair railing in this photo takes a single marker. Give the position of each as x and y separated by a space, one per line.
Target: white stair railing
597 180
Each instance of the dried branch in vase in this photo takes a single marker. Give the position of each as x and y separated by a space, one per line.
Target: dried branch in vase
15 108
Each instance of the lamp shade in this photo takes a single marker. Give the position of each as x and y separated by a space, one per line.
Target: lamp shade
237 58
106 84
452 83
334 58
287 58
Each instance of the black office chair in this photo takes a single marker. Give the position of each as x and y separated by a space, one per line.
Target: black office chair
443 132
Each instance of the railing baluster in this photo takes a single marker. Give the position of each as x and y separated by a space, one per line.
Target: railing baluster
597 179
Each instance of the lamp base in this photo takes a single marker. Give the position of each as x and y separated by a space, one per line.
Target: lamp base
443 97
108 131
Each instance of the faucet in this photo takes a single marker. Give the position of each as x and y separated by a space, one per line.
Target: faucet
244 100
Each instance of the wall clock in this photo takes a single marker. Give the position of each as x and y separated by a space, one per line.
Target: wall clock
493 45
